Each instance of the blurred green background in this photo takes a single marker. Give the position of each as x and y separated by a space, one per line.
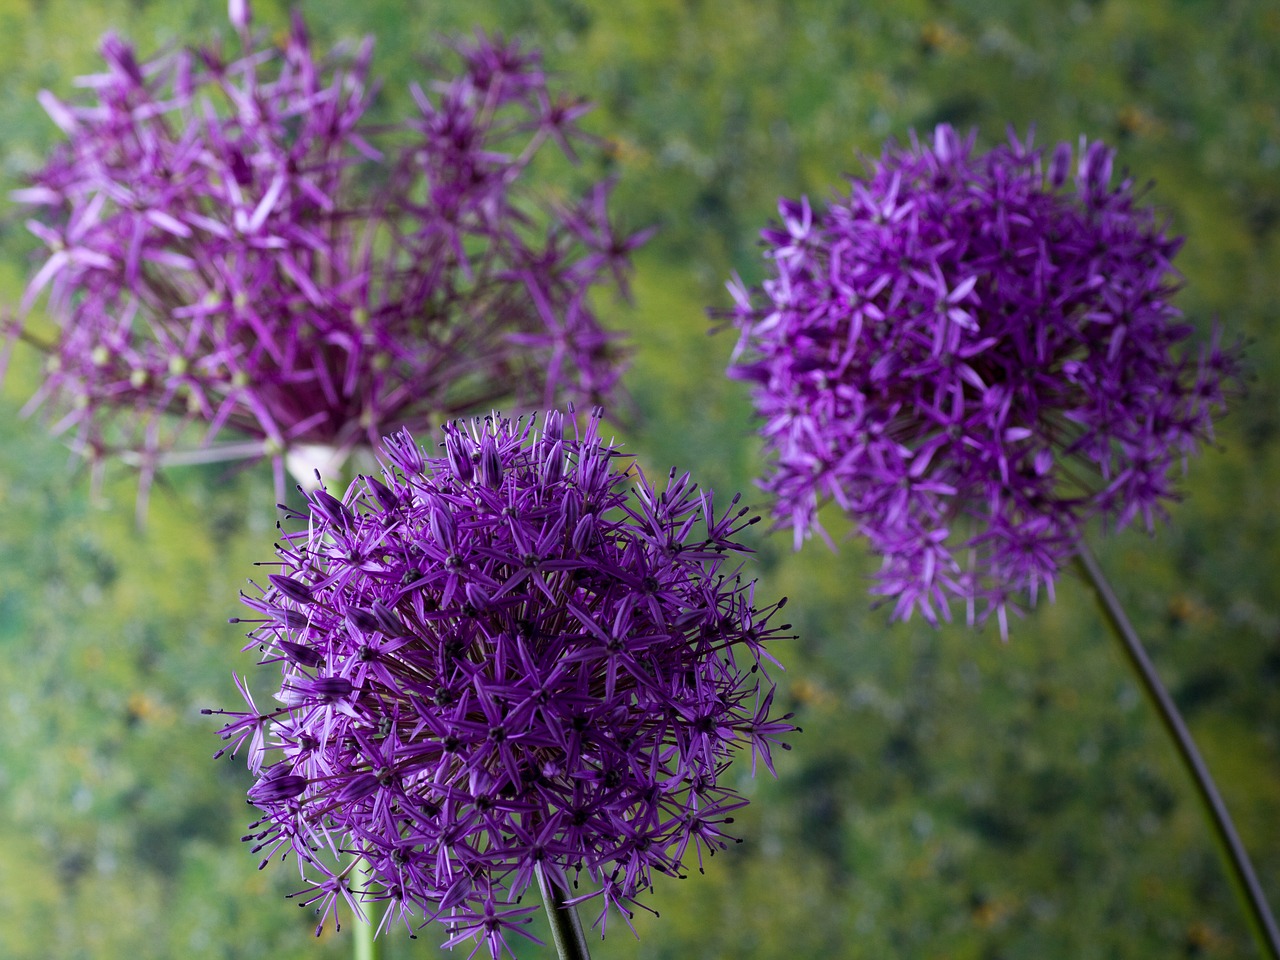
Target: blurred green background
951 796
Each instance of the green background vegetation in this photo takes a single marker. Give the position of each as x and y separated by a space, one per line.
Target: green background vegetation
951 796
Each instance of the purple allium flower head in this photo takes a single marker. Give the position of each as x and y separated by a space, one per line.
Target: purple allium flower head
518 655
973 354
230 243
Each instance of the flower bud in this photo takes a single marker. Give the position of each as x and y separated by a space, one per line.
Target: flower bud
291 588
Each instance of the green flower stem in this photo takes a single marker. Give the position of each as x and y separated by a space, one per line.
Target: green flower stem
364 946
566 928
1239 868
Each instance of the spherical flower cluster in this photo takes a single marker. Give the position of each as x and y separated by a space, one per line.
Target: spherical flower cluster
502 661
973 354
231 243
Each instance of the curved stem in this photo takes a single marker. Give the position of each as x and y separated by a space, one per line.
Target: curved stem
566 928
1239 867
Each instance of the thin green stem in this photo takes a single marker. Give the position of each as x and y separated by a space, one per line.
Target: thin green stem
566 928
364 946
1237 861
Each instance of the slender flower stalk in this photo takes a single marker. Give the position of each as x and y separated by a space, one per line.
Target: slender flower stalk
566 928
365 946
500 666
975 355
1236 858
232 246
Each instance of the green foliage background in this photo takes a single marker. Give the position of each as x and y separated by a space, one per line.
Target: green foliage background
951 796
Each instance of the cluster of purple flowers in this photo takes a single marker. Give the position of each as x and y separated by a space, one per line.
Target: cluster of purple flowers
231 243
973 354
501 661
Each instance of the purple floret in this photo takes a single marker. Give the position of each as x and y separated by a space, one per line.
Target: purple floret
231 244
972 355
519 655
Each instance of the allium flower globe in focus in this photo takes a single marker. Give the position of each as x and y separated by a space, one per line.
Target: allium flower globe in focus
232 245
974 354
518 656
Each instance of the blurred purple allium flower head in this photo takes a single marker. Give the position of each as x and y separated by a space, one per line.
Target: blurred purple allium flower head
973 354
519 655
231 245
